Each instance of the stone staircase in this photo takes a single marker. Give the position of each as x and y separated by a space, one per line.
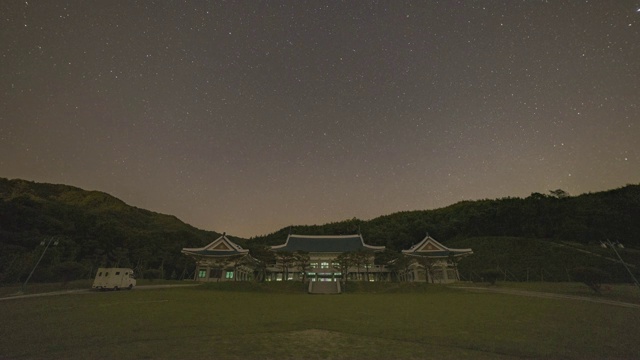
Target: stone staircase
324 287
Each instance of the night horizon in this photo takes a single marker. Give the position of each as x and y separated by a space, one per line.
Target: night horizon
246 118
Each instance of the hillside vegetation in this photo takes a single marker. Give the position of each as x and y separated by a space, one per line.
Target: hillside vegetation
584 219
93 229
538 237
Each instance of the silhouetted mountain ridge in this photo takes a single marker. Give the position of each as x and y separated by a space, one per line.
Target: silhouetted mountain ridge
96 229
586 219
93 228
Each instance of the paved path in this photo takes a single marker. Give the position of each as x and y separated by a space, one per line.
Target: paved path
547 295
84 291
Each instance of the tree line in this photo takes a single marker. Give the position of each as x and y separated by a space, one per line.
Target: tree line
95 229
586 219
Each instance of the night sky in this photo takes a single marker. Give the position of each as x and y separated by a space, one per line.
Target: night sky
249 116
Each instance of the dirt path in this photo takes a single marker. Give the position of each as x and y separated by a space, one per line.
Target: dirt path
546 295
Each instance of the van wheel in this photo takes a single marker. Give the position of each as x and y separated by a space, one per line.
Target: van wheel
130 287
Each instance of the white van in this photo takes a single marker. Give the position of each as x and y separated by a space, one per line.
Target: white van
114 278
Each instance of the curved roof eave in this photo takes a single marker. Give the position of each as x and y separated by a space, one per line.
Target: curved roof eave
330 245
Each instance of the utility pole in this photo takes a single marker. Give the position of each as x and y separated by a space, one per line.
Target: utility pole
613 247
24 286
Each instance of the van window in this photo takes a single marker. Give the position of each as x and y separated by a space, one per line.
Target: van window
100 273
117 272
106 274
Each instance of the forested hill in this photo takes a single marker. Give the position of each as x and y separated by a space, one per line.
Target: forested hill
93 229
96 229
587 218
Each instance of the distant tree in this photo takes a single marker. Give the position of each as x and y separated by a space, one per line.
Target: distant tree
69 271
301 260
285 260
265 257
490 275
386 257
235 262
559 193
428 264
454 260
345 260
358 260
152 274
367 262
537 196
401 266
120 257
590 276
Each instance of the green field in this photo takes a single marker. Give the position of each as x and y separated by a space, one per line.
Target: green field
280 321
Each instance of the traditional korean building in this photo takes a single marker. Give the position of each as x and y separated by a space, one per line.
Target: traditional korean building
222 260
434 262
324 265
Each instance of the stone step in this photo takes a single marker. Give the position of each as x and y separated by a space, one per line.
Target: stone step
324 287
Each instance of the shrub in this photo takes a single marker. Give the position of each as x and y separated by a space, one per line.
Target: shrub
590 276
490 275
69 271
152 274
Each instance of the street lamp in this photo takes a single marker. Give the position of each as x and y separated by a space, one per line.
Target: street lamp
51 239
613 246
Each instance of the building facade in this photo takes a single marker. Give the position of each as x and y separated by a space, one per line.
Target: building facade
326 260
222 260
430 261
320 258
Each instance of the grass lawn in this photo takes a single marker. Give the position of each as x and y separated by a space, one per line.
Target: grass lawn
282 322
618 292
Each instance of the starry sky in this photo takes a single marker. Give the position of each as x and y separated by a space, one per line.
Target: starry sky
250 116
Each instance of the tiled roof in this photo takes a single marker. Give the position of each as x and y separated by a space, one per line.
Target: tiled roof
220 247
429 247
213 253
325 244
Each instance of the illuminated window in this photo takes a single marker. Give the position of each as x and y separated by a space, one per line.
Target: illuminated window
314 264
324 265
202 273
229 275
335 264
